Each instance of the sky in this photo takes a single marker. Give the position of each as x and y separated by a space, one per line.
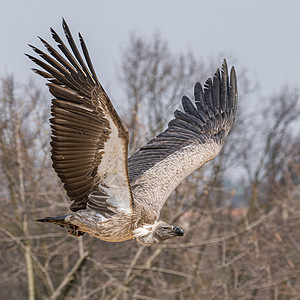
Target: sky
261 35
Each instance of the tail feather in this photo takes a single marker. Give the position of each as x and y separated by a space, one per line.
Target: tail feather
55 220
72 229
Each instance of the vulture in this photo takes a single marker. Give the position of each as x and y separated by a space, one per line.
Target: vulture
116 198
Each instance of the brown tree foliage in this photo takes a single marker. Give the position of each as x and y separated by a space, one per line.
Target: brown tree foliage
240 212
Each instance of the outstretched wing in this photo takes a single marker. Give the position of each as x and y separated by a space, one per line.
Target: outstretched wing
89 140
192 139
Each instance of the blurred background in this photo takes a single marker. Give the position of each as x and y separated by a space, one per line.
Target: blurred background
240 212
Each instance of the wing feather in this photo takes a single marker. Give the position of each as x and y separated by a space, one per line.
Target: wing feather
89 140
193 138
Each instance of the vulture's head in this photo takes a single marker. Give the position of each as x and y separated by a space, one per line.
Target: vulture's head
161 231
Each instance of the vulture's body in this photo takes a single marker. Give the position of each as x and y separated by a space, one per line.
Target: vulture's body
113 198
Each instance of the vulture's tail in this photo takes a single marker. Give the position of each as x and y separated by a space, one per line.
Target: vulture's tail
55 220
72 229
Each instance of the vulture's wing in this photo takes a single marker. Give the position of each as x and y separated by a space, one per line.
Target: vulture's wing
89 140
193 138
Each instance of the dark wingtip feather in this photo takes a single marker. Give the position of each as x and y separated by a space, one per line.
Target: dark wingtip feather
43 41
224 69
216 91
42 73
224 87
208 96
88 59
217 73
55 36
233 80
233 93
198 85
65 27
64 24
67 32
30 56
36 50
199 98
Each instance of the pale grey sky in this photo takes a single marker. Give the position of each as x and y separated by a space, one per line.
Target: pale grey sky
262 35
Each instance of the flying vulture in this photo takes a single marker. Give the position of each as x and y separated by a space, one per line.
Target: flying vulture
115 198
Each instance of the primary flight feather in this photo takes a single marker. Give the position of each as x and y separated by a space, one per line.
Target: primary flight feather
115 198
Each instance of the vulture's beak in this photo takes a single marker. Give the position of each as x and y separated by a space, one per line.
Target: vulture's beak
178 231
